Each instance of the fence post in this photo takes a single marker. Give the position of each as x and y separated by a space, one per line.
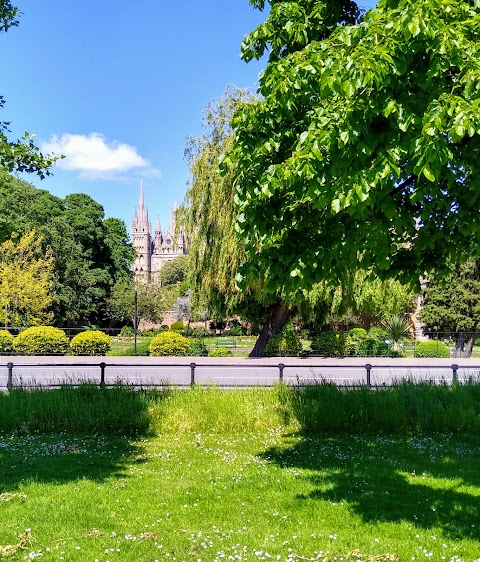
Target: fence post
10 376
102 374
281 366
192 373
454 372
368 367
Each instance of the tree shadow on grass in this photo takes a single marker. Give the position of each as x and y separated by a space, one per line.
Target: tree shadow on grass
57 436
427 481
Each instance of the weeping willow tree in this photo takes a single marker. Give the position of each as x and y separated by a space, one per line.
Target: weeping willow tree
209 215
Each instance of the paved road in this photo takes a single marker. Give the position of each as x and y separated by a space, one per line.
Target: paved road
31 371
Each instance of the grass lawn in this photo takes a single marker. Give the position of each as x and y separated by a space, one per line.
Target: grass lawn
260 496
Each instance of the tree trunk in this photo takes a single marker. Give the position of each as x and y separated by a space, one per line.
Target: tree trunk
460 349
278 314
459 344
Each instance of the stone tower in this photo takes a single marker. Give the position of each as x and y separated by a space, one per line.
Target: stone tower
152 253
141 238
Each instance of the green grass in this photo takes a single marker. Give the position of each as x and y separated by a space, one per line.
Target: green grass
258 496
262 474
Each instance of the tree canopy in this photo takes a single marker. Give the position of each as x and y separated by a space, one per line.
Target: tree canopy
90 253
363 151
26 273
451 306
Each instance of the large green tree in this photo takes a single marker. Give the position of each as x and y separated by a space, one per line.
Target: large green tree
18 155
451 307
364 149
91 253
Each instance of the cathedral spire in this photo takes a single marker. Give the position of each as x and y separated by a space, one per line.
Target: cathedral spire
141 203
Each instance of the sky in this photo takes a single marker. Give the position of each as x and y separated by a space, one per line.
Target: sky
117 86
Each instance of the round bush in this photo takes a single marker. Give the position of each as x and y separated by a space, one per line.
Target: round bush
286 343
91 342
41 340
127 332
330 344
6 341
178 325
432 348
219 352
170 344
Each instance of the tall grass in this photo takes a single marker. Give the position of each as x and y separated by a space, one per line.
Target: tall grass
405 408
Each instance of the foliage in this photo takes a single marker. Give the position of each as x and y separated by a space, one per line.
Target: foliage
363 151
285 343
150 301
219 352
432 348
177 325
6 341
330 344
92 342
374 344
197 347
41 340
25 281
170 344
90 253
451 303
201 333
397 328
127 332
182 309
174 271
355 336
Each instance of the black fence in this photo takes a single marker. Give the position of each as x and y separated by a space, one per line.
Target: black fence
228 375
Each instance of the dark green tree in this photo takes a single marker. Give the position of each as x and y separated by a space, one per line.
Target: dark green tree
452 306
174 271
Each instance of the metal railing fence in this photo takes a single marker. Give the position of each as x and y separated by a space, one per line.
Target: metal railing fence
183 374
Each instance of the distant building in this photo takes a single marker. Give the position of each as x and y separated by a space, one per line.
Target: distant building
152 253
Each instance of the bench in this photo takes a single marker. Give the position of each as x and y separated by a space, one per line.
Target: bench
226 343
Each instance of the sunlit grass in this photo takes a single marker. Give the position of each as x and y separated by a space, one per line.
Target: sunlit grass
260 496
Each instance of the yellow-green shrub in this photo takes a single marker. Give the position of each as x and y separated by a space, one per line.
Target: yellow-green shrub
91 342
6 341
40 340
169 344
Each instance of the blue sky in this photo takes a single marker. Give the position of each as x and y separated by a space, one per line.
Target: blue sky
117 86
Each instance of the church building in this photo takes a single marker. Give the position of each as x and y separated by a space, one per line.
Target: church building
153 252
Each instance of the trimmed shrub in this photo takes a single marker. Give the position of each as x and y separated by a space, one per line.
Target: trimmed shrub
178 325
219 352
374 344
41 340
198 347
355 336
169 344
432 348
6 341
127 332
330 344
285 343
92 342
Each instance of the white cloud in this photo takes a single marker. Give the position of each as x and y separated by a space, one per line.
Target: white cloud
94 157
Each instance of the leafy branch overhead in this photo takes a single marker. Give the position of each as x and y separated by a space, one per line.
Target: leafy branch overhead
364 149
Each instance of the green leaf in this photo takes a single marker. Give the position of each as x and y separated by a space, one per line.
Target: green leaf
428 174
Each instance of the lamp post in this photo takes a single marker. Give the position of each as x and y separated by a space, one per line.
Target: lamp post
135 322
